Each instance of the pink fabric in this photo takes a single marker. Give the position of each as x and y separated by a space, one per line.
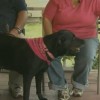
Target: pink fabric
39 48
81 20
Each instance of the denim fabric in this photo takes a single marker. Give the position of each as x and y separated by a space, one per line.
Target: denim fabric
56 75
83 64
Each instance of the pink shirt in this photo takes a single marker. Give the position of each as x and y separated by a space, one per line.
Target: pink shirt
81 20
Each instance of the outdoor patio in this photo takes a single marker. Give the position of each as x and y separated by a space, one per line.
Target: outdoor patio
89 94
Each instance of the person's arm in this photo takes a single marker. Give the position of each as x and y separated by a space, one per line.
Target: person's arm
20 22
47 26
21 17
48 15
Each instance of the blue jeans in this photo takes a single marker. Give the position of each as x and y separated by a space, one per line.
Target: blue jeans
83 64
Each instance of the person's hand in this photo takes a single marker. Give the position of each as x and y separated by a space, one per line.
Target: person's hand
15 33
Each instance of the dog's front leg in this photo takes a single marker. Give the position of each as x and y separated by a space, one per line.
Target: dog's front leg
38 79
27 78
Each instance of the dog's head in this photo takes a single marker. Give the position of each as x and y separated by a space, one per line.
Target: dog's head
66 43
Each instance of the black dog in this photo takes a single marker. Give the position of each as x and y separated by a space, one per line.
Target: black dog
16 54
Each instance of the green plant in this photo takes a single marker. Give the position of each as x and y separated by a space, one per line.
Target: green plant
33 30
95 64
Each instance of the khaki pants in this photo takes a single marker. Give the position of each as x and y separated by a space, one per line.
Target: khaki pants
15 79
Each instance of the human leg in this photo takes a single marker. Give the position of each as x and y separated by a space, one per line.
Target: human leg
83 64
57 79
56 75
15 84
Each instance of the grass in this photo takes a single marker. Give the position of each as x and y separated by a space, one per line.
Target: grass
33 30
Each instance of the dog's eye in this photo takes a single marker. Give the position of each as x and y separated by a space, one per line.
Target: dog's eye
62 40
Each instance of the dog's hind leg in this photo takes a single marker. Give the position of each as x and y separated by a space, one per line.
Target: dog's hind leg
38 79
27 79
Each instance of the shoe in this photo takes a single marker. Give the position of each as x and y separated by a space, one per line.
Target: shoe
63 94
76 92
16 92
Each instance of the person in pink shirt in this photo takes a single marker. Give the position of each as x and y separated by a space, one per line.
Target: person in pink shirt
79 17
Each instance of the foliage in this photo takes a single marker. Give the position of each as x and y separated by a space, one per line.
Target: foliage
95 65
33 30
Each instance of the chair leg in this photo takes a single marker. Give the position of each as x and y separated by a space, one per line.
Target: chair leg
98 73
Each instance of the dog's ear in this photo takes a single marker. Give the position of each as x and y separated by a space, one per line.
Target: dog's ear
62 43
65 39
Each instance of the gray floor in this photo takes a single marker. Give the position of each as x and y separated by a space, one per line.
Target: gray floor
89 94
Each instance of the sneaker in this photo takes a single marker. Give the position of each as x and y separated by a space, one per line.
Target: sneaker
63 94
16 92
76 92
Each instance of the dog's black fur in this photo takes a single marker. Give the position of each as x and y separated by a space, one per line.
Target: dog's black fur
15 54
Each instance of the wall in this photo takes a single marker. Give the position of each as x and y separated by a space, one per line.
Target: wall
35 3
